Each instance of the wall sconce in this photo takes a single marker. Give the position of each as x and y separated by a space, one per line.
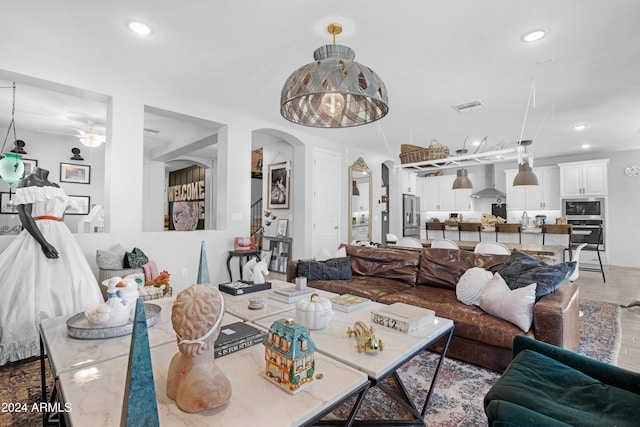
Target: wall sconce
76 154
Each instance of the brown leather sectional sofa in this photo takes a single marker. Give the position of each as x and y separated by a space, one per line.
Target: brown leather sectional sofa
428 277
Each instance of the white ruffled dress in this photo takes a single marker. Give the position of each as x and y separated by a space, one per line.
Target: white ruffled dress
33 286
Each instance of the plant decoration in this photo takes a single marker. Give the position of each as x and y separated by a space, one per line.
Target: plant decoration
160 280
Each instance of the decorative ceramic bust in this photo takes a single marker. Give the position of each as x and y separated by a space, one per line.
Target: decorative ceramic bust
194 380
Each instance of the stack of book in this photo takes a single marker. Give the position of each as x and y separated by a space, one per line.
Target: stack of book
349 303
402 317
242 287
290 295
236 336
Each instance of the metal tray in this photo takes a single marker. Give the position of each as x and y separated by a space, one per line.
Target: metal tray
78 325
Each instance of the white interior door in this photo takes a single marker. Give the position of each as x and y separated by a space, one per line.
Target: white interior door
326 201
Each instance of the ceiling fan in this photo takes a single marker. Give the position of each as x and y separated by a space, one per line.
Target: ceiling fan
91 138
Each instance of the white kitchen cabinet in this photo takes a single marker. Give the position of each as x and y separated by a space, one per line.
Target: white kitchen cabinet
437 195
546 195
408 182
583 179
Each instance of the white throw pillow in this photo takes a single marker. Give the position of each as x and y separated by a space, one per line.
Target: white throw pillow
324 254
471 284
515 306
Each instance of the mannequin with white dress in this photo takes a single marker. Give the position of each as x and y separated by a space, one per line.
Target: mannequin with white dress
43 272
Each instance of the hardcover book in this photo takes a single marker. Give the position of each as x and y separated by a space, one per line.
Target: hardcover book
402 317
292 291
349 303
242 287
291 297
235 337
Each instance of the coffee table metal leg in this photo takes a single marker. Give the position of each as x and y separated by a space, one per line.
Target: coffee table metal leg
437 373
352 414
405 400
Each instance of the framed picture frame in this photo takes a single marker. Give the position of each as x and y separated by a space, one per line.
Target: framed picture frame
279 256
278 188
78 205
265 255
281 231
6 207
29 166
78 174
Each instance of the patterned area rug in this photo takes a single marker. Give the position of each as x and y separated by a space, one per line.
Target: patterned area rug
461 386
457 400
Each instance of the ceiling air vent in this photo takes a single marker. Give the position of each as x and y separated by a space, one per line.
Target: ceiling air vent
468 106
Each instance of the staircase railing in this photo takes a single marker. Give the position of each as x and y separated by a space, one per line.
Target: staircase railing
256 221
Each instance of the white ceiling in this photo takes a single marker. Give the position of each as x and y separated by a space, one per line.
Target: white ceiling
431 55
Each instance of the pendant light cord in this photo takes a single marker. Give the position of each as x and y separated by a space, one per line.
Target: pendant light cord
12 123
526 111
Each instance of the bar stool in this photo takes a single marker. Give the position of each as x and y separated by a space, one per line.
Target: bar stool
470 226
509 228
593 244
559 229
435 226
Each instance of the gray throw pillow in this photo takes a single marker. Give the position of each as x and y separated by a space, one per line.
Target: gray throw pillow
331 269
548 277
108 260
518 263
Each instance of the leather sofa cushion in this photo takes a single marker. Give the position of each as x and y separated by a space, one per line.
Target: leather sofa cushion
365 286
471 322
445 267
387 263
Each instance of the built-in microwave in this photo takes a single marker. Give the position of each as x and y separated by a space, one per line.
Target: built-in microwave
588 208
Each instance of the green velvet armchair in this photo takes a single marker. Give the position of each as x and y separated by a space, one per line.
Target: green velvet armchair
545 385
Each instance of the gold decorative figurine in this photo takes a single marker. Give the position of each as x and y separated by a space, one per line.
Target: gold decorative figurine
367 341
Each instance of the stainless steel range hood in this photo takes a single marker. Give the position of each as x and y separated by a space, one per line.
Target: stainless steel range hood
490 191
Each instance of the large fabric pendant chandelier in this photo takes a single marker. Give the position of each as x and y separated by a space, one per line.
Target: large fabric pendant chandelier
334 91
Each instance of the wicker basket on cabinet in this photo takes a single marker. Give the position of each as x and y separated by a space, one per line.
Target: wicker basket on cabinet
414 153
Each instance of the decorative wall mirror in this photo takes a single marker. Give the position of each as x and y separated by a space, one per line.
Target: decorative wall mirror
359 201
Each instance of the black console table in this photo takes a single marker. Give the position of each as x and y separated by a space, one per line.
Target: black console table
243 257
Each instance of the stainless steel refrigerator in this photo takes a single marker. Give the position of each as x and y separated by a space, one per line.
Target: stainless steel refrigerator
410 215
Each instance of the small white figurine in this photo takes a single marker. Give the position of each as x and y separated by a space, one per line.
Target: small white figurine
259 271
113 312
247 270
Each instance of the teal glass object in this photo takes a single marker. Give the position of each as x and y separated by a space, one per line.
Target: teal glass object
11 168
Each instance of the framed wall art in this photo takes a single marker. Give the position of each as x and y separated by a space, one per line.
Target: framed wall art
6 205
29 166
78 205
78 174
282 228
278 190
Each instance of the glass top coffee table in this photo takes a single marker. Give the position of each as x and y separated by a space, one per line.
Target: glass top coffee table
398 348
96 392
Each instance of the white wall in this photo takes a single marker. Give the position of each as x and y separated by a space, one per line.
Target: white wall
50 150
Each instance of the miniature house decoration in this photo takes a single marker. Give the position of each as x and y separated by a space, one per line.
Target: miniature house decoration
289 355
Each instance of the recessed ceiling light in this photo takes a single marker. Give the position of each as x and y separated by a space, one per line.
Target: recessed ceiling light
139 28
585 146
579 127
533 36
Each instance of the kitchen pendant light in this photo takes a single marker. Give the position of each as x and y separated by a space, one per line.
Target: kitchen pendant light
11 167
525 176
462 181
354 189
334 91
